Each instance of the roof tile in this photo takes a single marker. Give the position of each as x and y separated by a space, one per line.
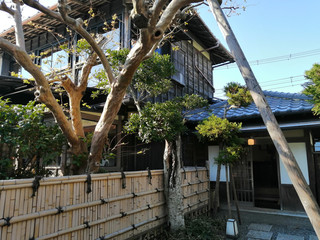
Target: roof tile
280 104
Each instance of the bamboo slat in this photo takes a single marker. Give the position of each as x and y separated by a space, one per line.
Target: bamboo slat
61 208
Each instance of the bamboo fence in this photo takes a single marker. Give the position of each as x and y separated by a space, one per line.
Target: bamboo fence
98 206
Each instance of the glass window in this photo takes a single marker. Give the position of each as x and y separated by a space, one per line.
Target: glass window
54 59
178 61
317 146
25 74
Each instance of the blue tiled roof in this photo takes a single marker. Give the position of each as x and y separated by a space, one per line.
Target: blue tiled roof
280 104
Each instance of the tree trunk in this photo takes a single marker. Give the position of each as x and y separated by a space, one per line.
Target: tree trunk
172 183
235 193
303 190
228 191
216 199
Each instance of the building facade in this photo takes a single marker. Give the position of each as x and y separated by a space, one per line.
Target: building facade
196 53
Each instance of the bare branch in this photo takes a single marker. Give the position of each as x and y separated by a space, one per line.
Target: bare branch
5 8
156 11
68 85
18 26
139 14
43 93
86 69
76 25
170 11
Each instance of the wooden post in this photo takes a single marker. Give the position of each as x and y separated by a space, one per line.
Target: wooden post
228 192
303 190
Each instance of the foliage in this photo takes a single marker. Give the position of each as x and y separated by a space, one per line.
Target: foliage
151 78
313 87
223 131
215 128
202 228
27 143
162 121
238 95
230 154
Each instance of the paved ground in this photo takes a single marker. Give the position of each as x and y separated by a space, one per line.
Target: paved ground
269 225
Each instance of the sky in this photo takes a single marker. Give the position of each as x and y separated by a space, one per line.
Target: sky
282 37
270 31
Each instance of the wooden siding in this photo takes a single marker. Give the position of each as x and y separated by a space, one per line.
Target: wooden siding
197 71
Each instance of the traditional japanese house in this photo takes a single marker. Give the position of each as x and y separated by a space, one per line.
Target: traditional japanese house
199 52
260 177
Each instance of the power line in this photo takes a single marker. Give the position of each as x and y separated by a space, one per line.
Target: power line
275 59
273 84
278 80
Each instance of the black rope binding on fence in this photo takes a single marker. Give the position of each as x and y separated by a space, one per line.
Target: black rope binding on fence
149 175
157 217
32 238
207 170
89 183
134 227
148 205
101 238
103 201
157 190
134 195
123 214
35 185
123 179
7 221
87 224
59 210
185 173
197 173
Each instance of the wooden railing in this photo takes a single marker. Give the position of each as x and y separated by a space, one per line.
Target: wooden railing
99 206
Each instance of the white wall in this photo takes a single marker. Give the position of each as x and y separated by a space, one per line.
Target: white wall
213 152
300 153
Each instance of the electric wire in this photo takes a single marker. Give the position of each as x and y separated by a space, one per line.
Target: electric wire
288 57
279 83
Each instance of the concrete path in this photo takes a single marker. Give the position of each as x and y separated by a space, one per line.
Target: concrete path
264 225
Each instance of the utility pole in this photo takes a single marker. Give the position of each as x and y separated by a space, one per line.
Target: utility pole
303 190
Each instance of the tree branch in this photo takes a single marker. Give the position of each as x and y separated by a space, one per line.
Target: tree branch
76 25
5 8
170 11
156 11
18 26
43 93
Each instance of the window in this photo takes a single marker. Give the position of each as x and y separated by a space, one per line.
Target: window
317 146
178 61
54 59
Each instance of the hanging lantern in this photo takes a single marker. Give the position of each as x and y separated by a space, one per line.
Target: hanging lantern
251 141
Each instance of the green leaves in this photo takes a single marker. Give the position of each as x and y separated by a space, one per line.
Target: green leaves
27 139
151 78
313 87
157 122
215 128
162 121
238 95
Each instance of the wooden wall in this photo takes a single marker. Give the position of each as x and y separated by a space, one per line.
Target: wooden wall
113 205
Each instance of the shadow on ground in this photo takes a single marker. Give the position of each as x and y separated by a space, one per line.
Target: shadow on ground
272 225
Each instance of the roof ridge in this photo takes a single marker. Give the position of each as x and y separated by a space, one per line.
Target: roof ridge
286 95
